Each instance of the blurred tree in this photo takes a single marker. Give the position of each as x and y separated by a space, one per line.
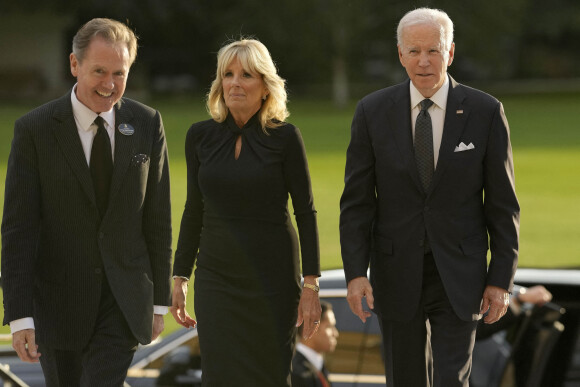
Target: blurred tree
342 48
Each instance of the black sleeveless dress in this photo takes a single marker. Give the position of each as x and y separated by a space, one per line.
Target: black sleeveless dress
237 225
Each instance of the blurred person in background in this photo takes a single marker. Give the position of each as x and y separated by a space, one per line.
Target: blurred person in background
429 185
308 369
242 166
86 229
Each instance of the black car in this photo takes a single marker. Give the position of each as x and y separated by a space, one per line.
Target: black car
541 349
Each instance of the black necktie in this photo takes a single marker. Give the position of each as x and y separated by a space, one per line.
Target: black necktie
101 165
424 144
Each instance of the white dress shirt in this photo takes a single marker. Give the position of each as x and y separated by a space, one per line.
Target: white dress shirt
87 129
311 355
436 111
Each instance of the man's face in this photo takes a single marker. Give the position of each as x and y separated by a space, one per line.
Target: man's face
102 74
422 55
324 340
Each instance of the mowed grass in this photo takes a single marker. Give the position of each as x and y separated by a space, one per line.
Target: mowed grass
545 138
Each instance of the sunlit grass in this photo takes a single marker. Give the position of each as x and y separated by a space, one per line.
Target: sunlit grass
545 139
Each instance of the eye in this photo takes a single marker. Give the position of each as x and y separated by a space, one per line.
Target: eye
227 74
247 75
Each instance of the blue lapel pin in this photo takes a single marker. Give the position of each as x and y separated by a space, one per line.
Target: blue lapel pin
126 129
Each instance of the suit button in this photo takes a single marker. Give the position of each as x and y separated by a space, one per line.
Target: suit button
98 270
101 235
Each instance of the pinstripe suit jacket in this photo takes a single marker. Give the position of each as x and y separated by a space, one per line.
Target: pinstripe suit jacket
55 247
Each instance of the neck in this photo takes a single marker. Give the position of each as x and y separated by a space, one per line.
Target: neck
242 118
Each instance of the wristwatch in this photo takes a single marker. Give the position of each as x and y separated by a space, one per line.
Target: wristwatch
312 287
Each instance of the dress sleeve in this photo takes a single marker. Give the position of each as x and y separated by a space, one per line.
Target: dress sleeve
297 179
192 219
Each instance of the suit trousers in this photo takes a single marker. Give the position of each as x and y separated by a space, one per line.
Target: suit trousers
106 358
434 348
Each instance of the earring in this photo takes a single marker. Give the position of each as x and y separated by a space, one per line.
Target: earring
264 97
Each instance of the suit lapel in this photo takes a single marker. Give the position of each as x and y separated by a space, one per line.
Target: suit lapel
67 136
455 118
399 114
125 146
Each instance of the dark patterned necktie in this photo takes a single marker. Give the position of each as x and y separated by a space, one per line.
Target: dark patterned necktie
424 144
101 165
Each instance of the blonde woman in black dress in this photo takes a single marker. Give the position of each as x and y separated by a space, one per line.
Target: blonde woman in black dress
242 166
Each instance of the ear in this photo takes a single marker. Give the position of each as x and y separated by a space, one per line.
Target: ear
400 55
451 54
74 64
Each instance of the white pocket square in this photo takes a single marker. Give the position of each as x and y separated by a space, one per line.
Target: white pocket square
462 147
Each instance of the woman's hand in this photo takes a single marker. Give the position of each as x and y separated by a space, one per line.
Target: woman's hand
309 310
178 303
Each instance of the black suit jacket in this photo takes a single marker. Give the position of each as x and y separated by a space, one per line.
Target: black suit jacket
385 213
304 374
55 247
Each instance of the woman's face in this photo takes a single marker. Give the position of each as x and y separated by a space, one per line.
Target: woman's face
242 90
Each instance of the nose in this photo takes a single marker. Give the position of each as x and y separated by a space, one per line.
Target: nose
108 82
424 59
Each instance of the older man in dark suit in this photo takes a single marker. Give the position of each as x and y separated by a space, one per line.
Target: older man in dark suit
86 229
429 185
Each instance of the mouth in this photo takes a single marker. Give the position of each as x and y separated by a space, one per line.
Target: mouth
105 95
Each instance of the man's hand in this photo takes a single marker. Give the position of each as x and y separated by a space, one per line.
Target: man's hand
497 301
24 343
178 304
309 309
158 326
357 289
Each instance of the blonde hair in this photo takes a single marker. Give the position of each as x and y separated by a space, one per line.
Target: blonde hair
112 31
254 57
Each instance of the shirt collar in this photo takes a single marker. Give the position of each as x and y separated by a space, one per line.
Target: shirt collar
85 116
439 98
311 355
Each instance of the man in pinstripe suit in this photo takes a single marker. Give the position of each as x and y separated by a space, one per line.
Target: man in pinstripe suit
86 275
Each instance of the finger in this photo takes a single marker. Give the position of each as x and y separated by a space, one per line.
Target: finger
495 313
190 322
310 329
175 313
354 304
32 347
20 348
484 306
180 317
357 309
370 299
26 352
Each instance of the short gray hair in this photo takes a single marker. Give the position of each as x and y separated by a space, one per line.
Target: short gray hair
110 30
429 16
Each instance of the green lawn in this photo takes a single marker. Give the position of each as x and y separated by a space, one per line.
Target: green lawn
546 153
